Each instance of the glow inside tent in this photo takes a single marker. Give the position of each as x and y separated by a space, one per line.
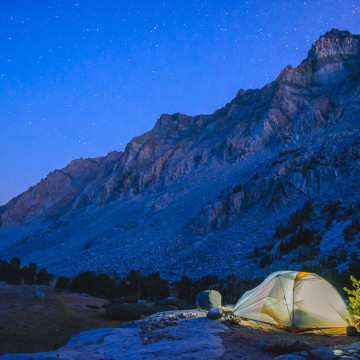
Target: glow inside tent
295 300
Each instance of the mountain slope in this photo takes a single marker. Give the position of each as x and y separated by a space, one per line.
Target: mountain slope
194 187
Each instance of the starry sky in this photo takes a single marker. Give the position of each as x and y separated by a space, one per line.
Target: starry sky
81 78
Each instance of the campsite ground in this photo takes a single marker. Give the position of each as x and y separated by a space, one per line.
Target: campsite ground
242 341
31 323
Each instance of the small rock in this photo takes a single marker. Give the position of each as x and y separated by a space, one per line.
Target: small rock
351 331
300 345
208 299
214 314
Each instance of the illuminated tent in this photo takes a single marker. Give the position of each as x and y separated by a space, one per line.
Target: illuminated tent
296 301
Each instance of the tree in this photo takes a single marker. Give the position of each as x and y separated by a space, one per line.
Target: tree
14 276
103 286
28 273
354 306
43 277
184 288
156 287
84 282
136 280
4 270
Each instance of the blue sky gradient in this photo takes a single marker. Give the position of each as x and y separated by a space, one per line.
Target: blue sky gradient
81 78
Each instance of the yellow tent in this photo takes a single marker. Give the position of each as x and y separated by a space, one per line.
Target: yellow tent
296 301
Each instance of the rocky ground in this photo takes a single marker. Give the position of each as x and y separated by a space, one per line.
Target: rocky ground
190 335
38 318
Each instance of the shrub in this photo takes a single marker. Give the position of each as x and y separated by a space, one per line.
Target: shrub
123 312
266 260
118 301
297 218
174 303
63 283
92 306
131 299
333 207
352 230
148 309
304 237
354 306
237 189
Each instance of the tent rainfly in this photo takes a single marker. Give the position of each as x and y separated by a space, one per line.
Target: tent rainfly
296 301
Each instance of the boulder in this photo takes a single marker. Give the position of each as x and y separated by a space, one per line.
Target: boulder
214 314
351 331
208 299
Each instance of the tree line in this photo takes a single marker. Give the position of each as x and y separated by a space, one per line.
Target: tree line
13 273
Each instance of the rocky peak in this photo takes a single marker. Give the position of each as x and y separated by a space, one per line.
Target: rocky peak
335 43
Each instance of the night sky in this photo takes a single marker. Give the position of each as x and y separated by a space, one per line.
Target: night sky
81 78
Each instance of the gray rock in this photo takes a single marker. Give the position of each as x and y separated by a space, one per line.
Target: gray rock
214 314
351 331
208 299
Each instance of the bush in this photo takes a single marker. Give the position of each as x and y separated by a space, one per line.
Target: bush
174 303
123 312
91 306
352 230
63 283
237 189
304 237
354 306
266 260
297 218
152 309
118 301
131 299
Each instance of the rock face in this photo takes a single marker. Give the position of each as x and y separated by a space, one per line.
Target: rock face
193 187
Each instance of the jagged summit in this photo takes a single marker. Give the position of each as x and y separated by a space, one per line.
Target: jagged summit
336 33
335 43
193 187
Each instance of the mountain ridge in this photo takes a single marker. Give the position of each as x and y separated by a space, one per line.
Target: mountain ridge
317 99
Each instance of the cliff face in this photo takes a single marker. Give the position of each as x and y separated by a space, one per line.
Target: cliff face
267 149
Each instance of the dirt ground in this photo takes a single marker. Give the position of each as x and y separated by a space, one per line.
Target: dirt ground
29 323
242 341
